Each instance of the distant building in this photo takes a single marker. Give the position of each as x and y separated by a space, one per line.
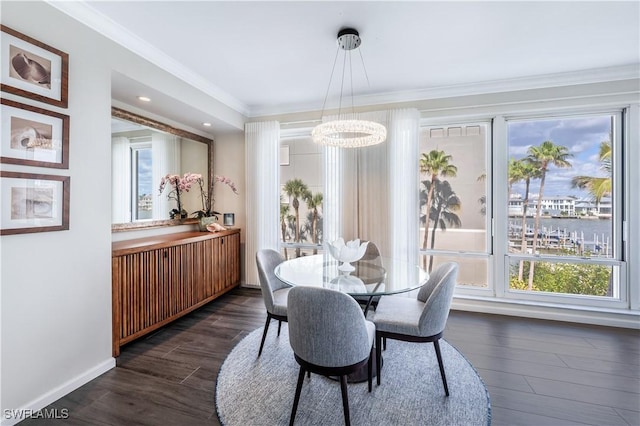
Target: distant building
555 206
145 202
568 206
515 205
588 207
550 206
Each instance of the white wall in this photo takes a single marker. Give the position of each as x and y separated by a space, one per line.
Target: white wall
56 286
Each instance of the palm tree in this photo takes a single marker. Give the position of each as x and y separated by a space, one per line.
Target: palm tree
482 200
445 203
313 202
284 211
523 169
545 155
599 187
296 189
434 164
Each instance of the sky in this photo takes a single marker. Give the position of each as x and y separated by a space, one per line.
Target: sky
145 184
581 135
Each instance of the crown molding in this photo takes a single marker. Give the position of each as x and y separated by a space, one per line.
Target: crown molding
85 14
599 75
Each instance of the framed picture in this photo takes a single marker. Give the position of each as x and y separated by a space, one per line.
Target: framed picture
228 219
33 136
33 69
33 203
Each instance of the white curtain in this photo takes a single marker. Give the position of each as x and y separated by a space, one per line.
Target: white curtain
403 139
165 158
371 193
262 144
120 180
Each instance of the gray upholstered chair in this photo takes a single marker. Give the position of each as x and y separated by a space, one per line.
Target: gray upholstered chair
274 291
330 336
422 319
372 258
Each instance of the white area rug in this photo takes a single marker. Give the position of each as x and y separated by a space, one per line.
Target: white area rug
254 391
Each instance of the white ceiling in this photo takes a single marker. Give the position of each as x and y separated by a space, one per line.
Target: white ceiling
267 57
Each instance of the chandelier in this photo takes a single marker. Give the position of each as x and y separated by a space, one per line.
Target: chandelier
347 133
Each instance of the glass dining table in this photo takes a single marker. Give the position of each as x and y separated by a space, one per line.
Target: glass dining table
372 277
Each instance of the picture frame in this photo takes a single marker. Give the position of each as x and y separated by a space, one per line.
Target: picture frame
33 203
32 69
228 219
32 136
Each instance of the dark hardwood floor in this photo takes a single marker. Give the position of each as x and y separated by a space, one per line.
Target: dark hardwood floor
537 372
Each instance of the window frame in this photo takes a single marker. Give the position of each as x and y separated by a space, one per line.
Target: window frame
461 289
620 193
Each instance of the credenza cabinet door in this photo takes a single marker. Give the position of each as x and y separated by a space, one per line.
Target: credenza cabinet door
156 280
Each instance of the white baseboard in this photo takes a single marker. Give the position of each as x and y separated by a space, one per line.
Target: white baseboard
57 393
582 315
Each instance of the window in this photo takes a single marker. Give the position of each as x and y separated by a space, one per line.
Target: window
301 178
454 202
141 176
565 215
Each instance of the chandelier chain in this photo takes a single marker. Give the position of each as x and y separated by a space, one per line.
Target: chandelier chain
335 61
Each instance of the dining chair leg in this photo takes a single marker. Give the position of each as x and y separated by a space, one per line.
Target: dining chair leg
444 377
369 368
378 356
296 399
279 326
264 333
345 399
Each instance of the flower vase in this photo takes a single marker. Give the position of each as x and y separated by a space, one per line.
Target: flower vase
204 221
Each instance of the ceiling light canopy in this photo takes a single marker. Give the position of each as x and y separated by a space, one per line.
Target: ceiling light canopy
347 133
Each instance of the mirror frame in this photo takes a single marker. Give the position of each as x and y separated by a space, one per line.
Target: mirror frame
144 121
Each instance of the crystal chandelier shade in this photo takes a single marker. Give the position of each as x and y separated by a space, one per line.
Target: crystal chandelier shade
348 133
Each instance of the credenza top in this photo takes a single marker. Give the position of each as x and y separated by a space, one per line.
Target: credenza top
120 248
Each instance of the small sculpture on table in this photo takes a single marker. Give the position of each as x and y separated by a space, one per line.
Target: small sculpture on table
346 253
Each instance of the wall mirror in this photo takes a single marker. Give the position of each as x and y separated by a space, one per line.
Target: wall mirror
143 151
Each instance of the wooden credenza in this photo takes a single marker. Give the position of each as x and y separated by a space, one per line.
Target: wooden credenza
158 279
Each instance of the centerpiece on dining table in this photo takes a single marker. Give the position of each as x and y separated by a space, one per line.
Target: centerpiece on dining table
347 252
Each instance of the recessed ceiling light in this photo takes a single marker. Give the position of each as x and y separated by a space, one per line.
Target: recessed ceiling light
144 99
206 124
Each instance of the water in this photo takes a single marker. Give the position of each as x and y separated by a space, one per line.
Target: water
587 226
593 234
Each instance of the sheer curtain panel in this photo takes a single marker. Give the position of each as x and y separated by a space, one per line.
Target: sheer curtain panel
165 158
120 180
403 139
371 192
262 142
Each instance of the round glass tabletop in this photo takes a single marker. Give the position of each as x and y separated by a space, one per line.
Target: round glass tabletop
372 277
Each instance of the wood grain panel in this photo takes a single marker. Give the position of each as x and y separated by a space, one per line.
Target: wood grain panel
158 279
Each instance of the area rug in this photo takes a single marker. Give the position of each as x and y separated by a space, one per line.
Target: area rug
253 391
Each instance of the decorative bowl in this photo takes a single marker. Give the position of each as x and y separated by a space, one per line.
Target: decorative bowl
347 252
